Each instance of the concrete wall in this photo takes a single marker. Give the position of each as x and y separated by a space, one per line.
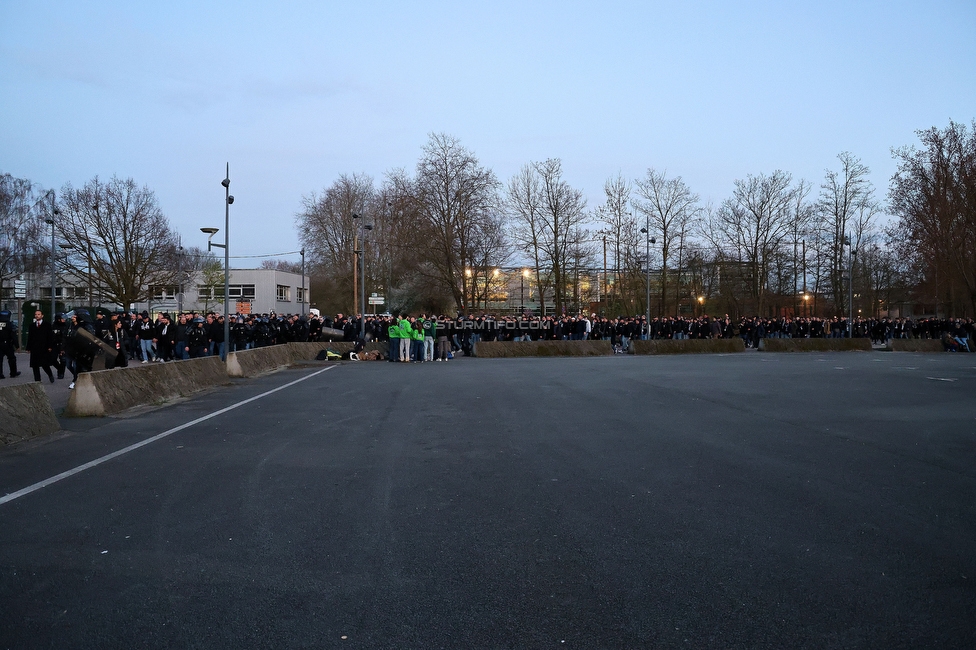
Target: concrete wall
25 412
250 363
104 392
308 351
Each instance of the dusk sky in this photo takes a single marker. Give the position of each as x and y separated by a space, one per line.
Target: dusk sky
292 94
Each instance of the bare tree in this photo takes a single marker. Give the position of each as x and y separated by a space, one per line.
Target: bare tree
456 200
524 207
753 224
563 212
621 231
212 281
933 194
282 265
668 206
21 227
328 233
847 209
118 231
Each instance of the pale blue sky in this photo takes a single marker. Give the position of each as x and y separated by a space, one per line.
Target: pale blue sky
294 93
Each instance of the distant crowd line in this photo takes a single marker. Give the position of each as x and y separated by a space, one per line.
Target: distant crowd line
140 338
458 334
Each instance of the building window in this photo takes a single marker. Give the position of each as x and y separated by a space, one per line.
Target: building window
284 293
161 292
300 294
236 291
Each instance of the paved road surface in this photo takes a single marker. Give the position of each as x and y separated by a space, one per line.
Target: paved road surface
739 501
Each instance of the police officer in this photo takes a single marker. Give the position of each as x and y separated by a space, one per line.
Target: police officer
60 328
8 344
197 339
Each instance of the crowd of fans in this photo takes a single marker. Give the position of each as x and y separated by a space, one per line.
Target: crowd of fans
139 338
130 337
462 331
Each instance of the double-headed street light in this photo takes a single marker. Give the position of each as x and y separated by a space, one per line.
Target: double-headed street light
358 251
228 200
650 240
362 284
304 293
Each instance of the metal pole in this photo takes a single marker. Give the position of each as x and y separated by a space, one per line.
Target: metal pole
179 288
806 301
91 290
54 211
603 287
228 199
362 288
850 294
647 315
362 284
304 296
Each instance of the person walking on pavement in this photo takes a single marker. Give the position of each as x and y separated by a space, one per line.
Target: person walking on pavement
40 344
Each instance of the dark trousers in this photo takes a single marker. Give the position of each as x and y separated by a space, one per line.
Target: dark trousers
11 361
37 372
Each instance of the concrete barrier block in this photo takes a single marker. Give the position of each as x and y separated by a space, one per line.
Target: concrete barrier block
512 349
25 412
815 345
105 392
257 361
915 345
688 346
307 351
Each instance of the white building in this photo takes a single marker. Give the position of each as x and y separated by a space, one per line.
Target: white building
252 291
255 291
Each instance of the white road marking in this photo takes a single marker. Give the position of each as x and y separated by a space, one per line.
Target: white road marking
940 379
115 454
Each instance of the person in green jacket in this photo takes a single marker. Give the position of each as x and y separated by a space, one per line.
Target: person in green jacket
405 338
394 332
417 344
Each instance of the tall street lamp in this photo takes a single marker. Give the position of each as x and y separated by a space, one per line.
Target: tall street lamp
362 284
304 295
850 287
228 200
647 260
355 265
54 211
525 272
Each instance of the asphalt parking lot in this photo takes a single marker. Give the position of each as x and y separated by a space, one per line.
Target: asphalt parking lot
705 501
